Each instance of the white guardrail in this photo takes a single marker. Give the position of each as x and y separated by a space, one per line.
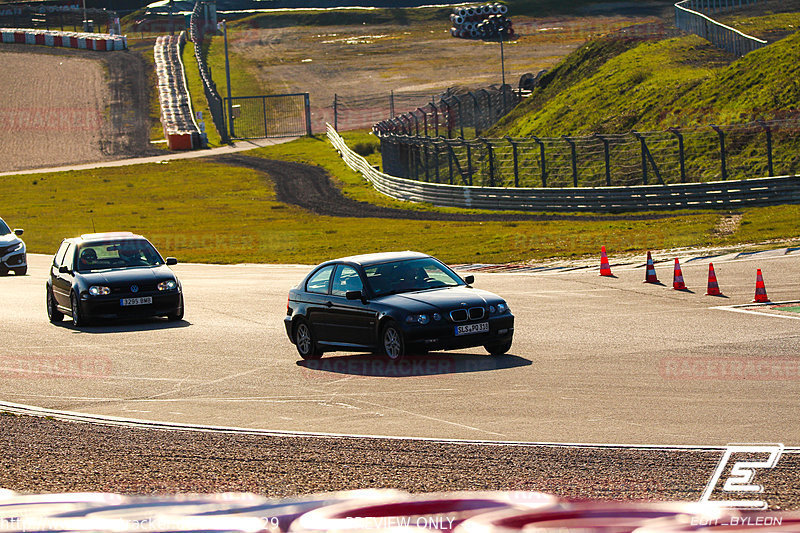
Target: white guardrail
719 194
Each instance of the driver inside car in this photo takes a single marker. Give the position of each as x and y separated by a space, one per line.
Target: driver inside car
88 259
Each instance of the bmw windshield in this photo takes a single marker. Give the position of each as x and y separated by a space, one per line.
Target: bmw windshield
409 276
117 254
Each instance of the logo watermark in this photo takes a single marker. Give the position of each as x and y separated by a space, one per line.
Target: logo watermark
54 366
729 368
740 480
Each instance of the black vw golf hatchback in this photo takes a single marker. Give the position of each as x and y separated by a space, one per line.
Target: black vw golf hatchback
112 275
391 303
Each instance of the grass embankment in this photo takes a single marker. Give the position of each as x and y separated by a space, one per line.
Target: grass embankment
197 92
615 85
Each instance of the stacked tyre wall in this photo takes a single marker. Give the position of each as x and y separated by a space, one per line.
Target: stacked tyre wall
177 118
65 39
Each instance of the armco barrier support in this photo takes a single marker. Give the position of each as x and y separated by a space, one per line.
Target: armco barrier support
722 195
85 41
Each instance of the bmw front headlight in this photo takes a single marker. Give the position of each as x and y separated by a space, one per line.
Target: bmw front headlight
168 285
502 308
419 319
99 290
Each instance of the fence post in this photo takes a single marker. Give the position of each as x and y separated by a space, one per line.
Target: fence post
644 156
424 119
574 154
677 133
490 151
391 104
476 113
264 111
436 160
307 105
722 154
449 161
449 119
768 131
460 116
516 161
607 154
469 161
541 153
435 120
335 112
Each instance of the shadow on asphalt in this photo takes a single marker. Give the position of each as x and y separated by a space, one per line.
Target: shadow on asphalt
413 365
121 326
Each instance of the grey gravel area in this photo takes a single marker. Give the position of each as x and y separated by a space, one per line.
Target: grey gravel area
46 455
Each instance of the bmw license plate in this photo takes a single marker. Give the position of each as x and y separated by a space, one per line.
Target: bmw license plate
144 300
471 329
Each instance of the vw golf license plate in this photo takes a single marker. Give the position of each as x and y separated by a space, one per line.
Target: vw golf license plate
144 300
471 329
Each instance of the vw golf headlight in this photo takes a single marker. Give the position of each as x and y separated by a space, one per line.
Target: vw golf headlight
99 290
168 285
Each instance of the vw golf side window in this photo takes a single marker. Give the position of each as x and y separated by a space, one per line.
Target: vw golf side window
59 257
320 281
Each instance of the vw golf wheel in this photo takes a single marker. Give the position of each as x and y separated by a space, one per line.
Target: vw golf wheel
52 309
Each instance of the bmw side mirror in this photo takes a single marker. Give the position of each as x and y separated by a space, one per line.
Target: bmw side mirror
171 261
63 269
354 295
469 279
19 232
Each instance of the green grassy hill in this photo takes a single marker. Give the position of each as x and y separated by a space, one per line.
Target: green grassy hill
617 84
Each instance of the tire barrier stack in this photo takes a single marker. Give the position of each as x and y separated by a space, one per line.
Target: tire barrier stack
486 21
177 117
65 39
373 511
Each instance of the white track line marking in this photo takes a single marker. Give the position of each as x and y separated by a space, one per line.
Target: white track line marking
747 309
147 424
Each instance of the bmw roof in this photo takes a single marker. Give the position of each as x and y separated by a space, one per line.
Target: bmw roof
383 257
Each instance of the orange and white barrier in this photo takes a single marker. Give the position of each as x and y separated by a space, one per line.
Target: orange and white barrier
177 118
64 39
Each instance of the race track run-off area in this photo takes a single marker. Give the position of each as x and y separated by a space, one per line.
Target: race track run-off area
595 360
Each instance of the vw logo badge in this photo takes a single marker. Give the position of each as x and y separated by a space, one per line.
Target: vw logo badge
134 288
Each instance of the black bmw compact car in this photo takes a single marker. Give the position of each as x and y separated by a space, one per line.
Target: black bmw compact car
394 303
112 275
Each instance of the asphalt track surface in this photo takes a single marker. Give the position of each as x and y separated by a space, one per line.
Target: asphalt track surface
595 360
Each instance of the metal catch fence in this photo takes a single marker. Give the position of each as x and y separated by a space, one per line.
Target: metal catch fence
279 115
638 158
209 87
692 16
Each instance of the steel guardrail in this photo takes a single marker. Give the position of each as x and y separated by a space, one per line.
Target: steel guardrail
709 195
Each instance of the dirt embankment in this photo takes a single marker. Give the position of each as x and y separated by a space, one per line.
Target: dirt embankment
71 106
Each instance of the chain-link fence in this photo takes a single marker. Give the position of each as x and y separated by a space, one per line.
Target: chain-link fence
676 156
692 16
280 115
197 34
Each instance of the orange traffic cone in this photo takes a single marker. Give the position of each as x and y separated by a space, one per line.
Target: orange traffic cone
650 275
713 286
677 277
761 290
605 268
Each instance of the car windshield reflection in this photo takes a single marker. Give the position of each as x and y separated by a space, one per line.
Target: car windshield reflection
409 276
4 229
108 255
